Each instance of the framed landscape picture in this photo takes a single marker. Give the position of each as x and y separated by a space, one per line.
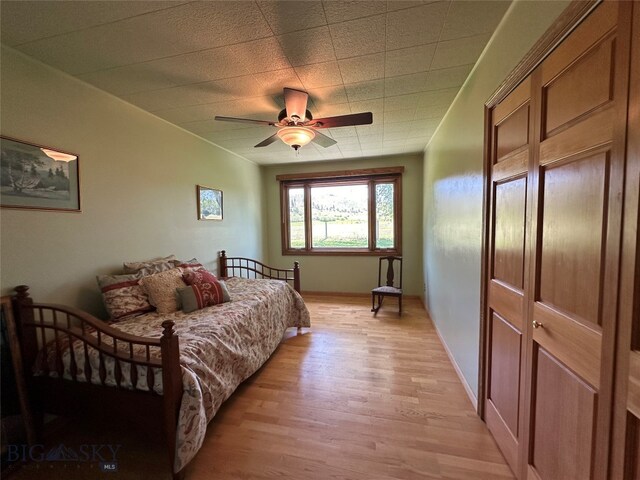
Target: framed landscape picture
209 203
37 177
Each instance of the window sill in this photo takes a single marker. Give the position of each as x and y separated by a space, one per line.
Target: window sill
342 253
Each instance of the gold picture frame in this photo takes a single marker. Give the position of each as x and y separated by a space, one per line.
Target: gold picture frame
210 204
36 177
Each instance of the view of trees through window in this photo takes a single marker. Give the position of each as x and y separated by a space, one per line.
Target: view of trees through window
384 215
296 218
339 216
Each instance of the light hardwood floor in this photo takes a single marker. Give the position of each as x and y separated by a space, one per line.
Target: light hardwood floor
355 397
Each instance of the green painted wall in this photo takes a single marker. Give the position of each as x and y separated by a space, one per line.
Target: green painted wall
344 273
453 186
138 176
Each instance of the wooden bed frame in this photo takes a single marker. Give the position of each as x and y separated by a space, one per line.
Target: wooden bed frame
36 322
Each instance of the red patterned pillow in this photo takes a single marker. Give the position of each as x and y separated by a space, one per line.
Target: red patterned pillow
204 290
123 296
198 275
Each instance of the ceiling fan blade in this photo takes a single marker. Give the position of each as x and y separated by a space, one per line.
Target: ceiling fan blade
243 120
365 118
267 141
295 102
322 140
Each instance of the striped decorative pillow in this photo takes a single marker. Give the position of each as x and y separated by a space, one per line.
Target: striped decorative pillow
149 267
123 296
204 290
189 265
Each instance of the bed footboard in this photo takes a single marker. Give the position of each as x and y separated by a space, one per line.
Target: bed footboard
48 331
249 268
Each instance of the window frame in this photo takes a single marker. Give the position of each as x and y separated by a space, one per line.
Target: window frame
369 177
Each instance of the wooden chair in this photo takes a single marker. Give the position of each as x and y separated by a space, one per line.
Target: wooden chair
390 289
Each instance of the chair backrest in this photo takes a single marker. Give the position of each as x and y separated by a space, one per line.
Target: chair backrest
390 280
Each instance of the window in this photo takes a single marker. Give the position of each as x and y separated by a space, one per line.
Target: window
356 212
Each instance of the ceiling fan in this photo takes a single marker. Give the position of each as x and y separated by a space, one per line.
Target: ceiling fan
297 127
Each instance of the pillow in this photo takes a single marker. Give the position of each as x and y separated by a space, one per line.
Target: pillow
201 295
149 267
161 288
189 265
198 275
123 295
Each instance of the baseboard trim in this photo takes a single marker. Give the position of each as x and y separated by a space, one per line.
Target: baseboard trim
424 305
467 388
352 294
334 294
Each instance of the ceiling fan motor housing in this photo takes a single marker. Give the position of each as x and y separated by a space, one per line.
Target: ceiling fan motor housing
283 114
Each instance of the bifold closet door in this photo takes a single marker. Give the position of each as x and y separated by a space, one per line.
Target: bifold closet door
576 196
509 153
626 436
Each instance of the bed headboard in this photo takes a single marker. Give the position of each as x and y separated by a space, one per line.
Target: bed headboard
249 268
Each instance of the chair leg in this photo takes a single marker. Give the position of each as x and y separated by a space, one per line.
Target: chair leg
375 308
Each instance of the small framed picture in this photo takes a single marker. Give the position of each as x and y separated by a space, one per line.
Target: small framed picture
209 203
37 177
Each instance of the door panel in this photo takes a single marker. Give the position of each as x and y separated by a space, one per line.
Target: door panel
575 193
597 26
583 86
506 273
573 222
505 371
626 429
513 132
563 443
562 266
508 256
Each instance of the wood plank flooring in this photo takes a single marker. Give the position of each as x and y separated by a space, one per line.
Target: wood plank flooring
355 397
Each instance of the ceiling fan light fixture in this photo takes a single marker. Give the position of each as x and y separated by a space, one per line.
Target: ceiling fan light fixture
296 137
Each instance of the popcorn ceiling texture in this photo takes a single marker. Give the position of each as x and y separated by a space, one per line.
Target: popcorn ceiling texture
186 63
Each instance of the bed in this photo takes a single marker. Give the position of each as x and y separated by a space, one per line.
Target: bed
175 368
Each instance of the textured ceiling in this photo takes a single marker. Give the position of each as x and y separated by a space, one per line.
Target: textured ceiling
187 62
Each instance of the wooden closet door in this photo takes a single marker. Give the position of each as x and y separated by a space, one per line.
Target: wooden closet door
510 153
626 431
577 183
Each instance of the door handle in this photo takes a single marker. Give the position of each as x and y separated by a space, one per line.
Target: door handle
537 324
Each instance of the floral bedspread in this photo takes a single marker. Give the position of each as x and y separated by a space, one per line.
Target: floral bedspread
220 347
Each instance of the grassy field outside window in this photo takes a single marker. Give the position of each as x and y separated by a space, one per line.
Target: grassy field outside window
358 216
